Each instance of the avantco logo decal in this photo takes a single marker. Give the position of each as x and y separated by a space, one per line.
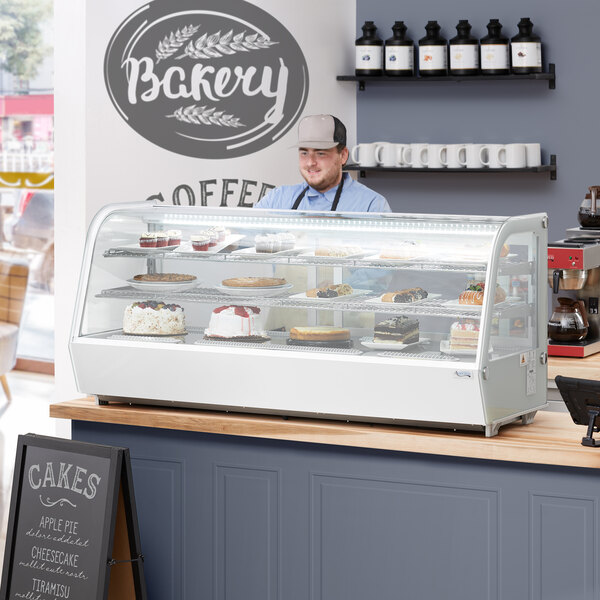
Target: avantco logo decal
218 81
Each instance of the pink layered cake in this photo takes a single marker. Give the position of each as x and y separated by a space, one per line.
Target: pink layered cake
236 323
464 335
153 318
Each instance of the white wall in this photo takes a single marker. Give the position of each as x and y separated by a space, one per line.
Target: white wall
100 159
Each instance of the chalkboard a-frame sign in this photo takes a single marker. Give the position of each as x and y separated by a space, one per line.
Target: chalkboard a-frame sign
72 530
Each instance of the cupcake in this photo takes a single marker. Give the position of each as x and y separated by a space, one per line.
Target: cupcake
162 239
221 232
148 240
200 242
174 237
214 236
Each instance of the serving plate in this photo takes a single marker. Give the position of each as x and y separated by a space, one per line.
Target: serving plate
273 290
162 286
254 253
186 247
430 296
370 343
140 250
445 349
356 292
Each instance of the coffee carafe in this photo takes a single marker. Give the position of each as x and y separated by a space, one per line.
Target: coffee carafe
568 322
589 211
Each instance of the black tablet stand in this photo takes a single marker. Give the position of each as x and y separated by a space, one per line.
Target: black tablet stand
582 397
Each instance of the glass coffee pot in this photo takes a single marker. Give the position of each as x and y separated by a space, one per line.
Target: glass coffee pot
589 211
568 322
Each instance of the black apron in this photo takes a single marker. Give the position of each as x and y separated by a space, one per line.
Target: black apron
335 200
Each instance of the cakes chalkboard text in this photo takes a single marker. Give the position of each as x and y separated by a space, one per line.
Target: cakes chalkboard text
72 524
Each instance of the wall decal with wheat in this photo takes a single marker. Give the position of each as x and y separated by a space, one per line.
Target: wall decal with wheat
173 42
217 45
200 115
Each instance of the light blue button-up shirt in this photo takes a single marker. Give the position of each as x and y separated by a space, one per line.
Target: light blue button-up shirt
355 197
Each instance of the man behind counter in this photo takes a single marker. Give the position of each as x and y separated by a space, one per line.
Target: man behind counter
322 153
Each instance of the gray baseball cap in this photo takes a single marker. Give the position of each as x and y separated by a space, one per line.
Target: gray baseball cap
320 132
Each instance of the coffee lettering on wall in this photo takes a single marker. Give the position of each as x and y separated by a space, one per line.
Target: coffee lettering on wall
241 193
220 80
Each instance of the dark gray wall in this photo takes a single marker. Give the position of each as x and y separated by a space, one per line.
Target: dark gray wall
566 121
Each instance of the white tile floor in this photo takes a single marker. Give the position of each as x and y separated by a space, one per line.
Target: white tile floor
32 395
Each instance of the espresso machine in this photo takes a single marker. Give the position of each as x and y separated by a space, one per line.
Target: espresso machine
574 276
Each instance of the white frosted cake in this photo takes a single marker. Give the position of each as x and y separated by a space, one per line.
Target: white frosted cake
236 323
274 242
154 318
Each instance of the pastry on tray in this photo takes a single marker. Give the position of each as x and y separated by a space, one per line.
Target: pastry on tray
464 335
337 251
320 334
475 292
254 282
331 291
236 324
164 277
153 318
401 330
404 296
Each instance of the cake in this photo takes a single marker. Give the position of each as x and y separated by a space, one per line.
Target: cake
274 242
475 292
253 282
221 232
337 251
164 277
200 242
162 239
464 335
148 240
320 334
400 330
403 251
403 296
236 323
173 237
331 291
154 318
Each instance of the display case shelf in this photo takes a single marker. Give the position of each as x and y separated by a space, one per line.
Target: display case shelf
550 168
549 76
427 307
506 267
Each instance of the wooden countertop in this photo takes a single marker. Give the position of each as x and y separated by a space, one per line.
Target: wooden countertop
584 368
551 439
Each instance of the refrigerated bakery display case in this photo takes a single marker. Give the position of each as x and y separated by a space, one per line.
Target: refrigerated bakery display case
428 320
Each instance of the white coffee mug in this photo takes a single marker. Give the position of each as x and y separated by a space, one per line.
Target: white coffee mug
364 154
411 156
513 156
473 153
430 156
533 155
489 156
399 155
385 154
453 156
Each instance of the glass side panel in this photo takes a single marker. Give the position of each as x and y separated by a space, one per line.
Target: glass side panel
387 284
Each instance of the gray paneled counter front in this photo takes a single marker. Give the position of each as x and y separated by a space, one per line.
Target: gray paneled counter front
237 517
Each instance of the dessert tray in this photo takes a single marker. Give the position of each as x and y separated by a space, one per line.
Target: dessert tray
311 254
430 296
273 290
162 286
137 248
186 247
355 292
378 258
445 349
254 253
369 342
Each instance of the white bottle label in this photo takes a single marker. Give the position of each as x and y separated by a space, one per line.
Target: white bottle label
432 58
494 56
369 57
526 54
399 58
464 56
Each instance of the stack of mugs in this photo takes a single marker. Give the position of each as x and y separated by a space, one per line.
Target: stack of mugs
451 156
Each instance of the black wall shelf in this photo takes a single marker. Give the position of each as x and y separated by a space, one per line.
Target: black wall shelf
551 168
550 77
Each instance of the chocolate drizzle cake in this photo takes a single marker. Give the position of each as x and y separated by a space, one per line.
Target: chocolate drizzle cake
397 329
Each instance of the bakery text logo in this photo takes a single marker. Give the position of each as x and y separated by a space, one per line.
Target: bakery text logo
219 81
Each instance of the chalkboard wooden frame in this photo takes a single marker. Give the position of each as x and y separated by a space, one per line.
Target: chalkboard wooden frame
116 525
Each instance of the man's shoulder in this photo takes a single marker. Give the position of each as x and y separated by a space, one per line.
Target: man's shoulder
376 202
